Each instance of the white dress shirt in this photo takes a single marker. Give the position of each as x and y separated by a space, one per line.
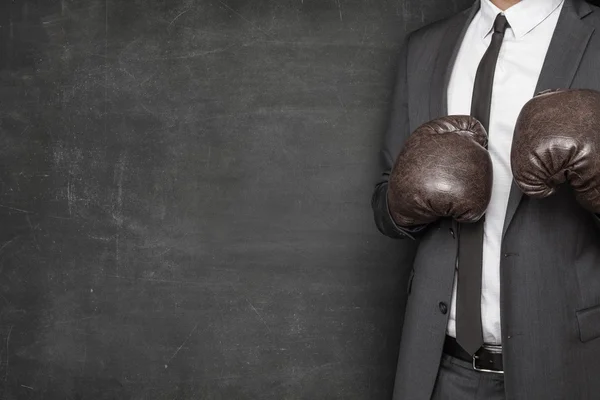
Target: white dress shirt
522 54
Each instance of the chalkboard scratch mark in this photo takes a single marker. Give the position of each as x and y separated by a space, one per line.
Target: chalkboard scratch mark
69 195
128 73
339 9
200 54
259 316
32 231
182 344
105 65
16 209
117 252
246 19
157 280
126 48
7 243
178 15
118 215
330 274
84 359
7 340
104 239
208 158
68 321
320 367
27 387
361 45
404 11
341 102
23 131
184 56
163 253
55 217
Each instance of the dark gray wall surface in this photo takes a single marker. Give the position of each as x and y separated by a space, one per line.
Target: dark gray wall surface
184 198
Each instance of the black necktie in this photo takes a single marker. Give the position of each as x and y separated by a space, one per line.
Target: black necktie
469 333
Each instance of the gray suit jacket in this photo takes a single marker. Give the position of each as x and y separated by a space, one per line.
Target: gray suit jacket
550 269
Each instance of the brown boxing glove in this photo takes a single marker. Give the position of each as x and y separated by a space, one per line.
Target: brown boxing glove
557 140
444 170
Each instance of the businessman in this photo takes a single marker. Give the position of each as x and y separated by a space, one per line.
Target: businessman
504 290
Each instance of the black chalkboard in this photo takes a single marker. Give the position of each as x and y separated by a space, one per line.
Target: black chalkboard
184 198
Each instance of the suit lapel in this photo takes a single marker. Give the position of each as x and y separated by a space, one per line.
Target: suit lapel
567 47
438 100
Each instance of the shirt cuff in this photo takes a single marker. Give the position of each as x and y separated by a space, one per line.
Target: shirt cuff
405 230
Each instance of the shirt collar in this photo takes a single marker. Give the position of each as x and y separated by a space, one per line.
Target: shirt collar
523 17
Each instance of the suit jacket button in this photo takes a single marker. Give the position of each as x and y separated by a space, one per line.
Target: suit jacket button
443 307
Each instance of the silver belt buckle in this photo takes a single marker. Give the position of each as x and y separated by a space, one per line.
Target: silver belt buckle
492 349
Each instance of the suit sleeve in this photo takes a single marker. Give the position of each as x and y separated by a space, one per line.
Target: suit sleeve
395 136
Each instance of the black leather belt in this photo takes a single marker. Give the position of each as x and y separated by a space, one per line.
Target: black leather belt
487 359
